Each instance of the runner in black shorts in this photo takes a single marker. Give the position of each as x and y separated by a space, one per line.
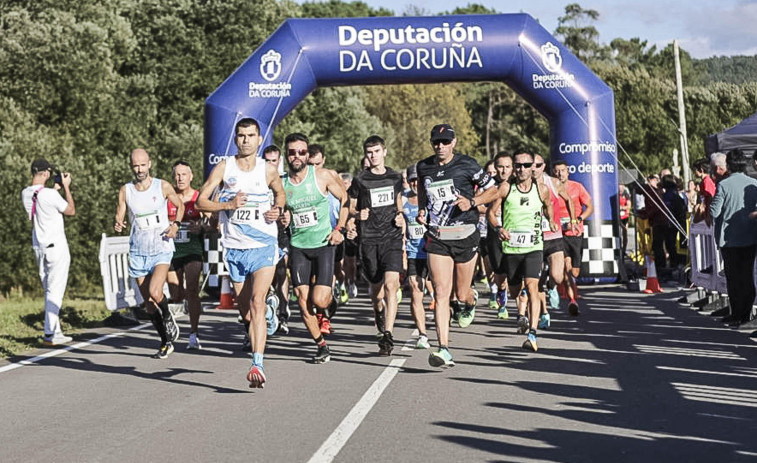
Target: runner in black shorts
377 197
449 210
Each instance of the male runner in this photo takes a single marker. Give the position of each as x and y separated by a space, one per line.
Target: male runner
248 233
448 208
503 164
417 261
377 194
573 235
150 242
313 238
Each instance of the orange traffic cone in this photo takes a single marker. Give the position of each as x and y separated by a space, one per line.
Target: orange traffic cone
227 300
653 285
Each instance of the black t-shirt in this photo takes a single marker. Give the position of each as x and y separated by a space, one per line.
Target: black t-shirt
377 193
442 185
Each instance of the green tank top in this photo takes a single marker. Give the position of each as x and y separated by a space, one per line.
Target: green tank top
521 216
311 224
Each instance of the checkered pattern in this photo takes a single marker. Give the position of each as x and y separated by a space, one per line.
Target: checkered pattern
601 252
214 264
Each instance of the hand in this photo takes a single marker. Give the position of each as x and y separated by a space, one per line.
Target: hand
351 233
239 200
553 226
171 231
463 203
399 220
119 226
364 214
272 214
65 179
335 237
504 235
574 227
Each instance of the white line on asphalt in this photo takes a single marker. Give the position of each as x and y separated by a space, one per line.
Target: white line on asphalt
79 345
331 447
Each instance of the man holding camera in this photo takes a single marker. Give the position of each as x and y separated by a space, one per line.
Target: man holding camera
46 209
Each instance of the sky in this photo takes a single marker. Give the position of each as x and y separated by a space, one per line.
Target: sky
703 28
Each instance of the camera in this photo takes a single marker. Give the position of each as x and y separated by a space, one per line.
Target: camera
57 177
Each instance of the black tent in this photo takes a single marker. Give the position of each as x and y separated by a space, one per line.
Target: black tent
742 135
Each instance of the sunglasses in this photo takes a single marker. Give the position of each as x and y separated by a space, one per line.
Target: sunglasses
525 165
301 152
442 142
539 164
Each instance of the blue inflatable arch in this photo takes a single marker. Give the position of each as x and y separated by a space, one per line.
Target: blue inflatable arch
303 54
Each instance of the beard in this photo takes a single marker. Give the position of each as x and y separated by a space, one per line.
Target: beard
294 169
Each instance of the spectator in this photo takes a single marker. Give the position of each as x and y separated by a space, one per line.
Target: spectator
675 207
624 198
701 209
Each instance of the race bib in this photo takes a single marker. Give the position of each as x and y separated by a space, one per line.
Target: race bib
382 196
182 236
443 190
545 224
415 231
149 221
249 214
521 239
305 219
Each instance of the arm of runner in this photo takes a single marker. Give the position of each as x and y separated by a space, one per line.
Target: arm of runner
585 199
170 194
546 199
120 224
563 193
335 186
205 204
279 196
422 203
399 218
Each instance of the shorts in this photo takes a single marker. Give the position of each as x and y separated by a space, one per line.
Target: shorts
350 248
574 248
339 252
141 266
520 266
417 267
306 263
377 259
244 262
178 263
460 250
553 247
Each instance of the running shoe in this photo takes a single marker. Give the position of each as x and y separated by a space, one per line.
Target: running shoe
56 339
422 342
283 327
380 320
573 308
344 297
271 320
466 316
193 343
530 342
522 324
324 324
352 290
256 377
386 344
172 329
493 302
441 358
502 313
554 298
502 297
164 351
323 354
455 307
544 321
475 297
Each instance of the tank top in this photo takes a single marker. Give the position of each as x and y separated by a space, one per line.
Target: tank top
521 216
148 216
245 227
187 244
311 222
555 198
414 231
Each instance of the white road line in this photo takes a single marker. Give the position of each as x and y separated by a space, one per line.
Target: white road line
331 447
79 345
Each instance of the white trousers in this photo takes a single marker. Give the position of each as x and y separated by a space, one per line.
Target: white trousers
53 271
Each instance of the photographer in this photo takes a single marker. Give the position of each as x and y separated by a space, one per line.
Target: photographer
46 209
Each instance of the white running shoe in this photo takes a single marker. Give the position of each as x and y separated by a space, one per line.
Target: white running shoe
193 343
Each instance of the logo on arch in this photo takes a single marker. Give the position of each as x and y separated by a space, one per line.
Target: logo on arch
270 65
550 57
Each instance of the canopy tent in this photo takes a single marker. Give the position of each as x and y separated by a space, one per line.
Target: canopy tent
742 135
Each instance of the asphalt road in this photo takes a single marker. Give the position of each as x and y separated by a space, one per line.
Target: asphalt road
634 378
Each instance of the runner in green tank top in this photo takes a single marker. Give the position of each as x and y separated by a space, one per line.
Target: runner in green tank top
309 206
523 202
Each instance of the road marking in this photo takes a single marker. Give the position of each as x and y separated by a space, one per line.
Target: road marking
79 345
331 447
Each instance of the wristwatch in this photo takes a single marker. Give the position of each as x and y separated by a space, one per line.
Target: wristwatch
472 203
177 223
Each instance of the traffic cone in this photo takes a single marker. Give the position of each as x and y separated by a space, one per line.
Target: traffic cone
653 285
227 300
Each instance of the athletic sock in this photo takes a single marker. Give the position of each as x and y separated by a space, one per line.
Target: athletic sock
163 304
157 321
257 358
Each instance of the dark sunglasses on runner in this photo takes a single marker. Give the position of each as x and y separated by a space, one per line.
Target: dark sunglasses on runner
525 165
294 152
443 142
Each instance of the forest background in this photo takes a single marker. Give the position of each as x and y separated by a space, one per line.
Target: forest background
83 82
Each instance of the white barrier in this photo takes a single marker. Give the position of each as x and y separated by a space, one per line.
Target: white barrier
119 290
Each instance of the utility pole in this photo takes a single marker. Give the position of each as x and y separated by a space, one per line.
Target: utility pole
681 117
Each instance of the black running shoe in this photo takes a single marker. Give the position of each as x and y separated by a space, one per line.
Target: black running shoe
386 344
164 351
323 355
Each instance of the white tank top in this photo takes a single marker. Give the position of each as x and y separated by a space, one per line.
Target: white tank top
245 227
148 215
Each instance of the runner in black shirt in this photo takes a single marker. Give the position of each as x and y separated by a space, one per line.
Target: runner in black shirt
448 208
377 193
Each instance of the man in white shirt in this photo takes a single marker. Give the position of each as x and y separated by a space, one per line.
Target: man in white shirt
46 209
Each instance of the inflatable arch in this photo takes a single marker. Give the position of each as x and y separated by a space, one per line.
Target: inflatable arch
303 54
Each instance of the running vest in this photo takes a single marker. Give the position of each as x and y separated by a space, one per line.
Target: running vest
521 216
148 216
555 198
311 222
414 231
187 244
245 227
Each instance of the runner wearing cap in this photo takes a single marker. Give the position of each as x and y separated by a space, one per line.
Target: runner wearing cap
448 208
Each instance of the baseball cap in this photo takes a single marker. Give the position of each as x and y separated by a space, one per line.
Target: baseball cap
442 132
40 165
412 172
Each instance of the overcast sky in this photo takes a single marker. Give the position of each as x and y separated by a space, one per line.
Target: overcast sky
703 28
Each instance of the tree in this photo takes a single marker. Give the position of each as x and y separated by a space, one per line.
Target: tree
576 32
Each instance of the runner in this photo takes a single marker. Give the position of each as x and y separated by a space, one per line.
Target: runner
350 248
503 164
522 202
573 231
186 264
248 233
376 194
150 242
313 238
447 207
